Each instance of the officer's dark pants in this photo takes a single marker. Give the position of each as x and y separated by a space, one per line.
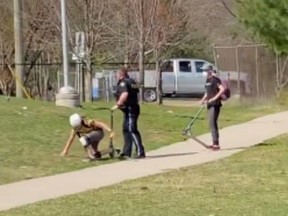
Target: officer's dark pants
213 113
130 131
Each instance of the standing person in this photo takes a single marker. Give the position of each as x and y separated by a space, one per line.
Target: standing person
214 90
90 132
127 101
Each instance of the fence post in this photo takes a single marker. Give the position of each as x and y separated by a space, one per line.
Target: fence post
277 74
2 55
215 56
82 86
107 89
238 70
257 72
58 79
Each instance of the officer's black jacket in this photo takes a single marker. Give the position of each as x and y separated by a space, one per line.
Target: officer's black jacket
129 85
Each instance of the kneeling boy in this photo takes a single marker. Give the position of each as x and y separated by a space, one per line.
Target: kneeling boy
90 133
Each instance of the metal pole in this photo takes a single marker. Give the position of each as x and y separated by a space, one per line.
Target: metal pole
238 70
61 97
18 46
78 62
82 91
64 42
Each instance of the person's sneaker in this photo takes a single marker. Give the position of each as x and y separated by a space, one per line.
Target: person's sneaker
142 156
123 157
214 147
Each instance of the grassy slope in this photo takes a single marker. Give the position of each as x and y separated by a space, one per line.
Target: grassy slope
253 182
32 139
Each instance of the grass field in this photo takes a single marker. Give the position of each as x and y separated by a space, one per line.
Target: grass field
250 183
32 138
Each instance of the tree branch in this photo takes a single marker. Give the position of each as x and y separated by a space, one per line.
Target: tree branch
228 9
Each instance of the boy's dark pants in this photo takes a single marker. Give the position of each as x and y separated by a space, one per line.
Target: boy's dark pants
213 114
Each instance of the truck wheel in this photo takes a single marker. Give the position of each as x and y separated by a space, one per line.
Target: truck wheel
150 95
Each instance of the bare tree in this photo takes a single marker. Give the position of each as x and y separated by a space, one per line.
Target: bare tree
87 16
281 74
228 8
37 31
167 32
136 20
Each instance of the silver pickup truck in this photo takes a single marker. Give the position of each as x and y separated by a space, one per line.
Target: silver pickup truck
183 76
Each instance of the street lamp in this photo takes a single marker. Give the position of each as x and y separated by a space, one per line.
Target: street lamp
64 42
67 95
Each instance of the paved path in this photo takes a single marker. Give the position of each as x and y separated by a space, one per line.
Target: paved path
182 154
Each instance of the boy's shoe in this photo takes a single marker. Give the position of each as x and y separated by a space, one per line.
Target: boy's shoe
97 155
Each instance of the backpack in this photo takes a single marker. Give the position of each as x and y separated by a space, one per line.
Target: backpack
227 92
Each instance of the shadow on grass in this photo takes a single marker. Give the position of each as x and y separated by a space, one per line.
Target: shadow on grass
247 147
105 158
189 117
264 145
99 108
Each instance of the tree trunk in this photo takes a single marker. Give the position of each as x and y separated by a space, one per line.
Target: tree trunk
141 71
88 82
277 81
159 78
126 57
159 87
18 47
141 51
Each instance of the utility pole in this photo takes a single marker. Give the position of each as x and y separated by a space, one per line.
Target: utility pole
18 47
64 42
67 95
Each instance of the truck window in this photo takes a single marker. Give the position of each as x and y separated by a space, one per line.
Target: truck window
185 66
198 66
168 66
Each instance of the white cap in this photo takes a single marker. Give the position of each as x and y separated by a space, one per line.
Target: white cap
75 120
207 67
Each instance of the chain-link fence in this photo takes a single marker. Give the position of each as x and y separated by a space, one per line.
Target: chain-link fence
256 61
255 68
44 80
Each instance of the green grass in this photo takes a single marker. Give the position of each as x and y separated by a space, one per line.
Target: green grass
253 182
32 139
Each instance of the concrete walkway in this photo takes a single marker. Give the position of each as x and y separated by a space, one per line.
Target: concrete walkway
233 139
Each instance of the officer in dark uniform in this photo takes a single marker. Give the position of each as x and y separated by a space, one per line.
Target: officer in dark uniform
127 101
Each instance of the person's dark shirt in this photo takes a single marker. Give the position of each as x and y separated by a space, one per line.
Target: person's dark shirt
212 88
129 85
